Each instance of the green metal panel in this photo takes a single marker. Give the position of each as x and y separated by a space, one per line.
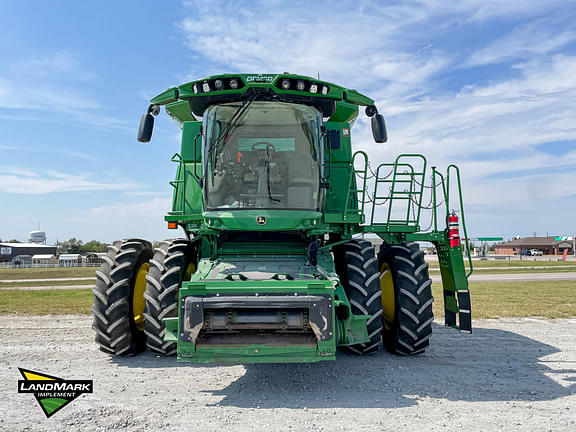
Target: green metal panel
187 198
169 96
455 285
180 111
254 353
262 220
344 152
357 98
191 141
340 205
336 196
345 113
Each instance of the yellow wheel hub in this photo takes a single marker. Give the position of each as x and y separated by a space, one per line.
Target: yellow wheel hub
388 296
190 270
138 301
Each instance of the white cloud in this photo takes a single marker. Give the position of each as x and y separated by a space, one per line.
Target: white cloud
360 44
26 181
465 11
524 42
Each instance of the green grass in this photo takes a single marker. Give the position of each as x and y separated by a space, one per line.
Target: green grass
49 302
513 266
46 273
4 285
526 262
515 270
550 299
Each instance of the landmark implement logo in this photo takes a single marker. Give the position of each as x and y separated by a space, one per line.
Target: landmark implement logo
52 393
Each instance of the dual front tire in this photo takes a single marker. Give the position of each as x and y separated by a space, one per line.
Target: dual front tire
136 287
394 288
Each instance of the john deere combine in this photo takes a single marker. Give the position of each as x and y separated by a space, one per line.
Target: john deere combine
275 265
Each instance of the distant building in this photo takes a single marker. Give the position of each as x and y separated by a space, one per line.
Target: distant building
10 250
548 245
22 260
70 260
44 259
94 257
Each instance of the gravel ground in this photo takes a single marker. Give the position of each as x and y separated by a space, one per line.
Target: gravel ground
510 374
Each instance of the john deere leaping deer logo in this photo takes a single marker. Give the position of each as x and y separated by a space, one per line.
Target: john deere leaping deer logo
261 220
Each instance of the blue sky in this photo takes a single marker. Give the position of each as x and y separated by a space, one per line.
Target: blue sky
486 84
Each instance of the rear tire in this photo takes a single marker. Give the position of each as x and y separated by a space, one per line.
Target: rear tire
172 260
408 320
356 265
117 321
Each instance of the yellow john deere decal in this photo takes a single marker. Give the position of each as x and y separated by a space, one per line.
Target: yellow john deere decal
52 393
261 220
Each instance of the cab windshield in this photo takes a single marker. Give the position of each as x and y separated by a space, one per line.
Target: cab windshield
262 155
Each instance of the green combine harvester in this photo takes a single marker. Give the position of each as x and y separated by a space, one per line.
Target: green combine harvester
275 265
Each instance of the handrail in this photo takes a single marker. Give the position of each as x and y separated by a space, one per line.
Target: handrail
461 202
413 189
443 184
353 171
182 171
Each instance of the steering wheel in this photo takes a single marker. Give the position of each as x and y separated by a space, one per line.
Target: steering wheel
267 146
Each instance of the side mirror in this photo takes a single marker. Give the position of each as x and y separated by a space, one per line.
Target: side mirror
145 128
147 123
379 128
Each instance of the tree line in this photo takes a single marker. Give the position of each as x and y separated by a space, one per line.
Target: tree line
75 246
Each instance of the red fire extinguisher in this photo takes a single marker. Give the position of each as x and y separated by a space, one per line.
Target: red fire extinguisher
453 228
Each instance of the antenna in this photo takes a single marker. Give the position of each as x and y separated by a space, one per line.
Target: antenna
318 76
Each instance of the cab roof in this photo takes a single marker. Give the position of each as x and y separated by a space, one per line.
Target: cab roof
188 101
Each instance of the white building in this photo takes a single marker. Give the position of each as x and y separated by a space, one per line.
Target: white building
70 260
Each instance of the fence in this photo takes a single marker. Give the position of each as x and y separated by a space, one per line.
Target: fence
8 265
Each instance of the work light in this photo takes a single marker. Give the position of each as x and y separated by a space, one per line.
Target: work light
234 83
205 87
285 84
313 88
218 84
300 85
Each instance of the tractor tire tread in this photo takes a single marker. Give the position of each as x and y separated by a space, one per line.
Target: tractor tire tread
116 334
412 328
169 263
358 273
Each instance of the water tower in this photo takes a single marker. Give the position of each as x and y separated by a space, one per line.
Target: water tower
38 237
